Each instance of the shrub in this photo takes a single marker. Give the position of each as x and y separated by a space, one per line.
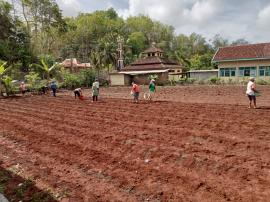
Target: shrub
8 84
201 82
181 81
34 82
71 81
172 82
153 76
214 80
261 82
190 80
87 77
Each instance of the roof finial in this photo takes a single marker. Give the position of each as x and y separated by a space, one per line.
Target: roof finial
153 44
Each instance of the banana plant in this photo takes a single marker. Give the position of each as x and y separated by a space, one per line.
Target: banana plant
3 70
45 69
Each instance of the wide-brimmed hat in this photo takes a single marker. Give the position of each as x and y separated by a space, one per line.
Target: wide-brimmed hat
252 78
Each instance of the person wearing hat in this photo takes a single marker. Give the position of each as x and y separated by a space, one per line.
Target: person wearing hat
152 89
251 90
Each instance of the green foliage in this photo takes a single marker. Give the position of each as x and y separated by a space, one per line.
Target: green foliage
20 191
47 68
136 41
200 62
214 80
34 82
71 81
8 84
173 82
2 68
87 77
186 81
4 79
261 82
153 76
190 80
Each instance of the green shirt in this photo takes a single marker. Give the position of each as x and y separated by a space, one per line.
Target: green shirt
152 87
95 90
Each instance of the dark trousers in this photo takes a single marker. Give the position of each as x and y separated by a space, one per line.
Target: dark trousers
77 93
95 98
54 92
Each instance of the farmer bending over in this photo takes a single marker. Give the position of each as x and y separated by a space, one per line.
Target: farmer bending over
78 92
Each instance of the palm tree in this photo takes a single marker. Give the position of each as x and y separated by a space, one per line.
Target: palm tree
179 56
109 54
96 60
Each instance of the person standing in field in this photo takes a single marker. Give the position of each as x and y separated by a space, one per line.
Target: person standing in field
95 91
152 89
54 88
97 84
135 92
251 90
22 88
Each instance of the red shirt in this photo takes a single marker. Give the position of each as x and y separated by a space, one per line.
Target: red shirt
135 88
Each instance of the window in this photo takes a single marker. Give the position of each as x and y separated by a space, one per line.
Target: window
264 71
227 72
247 71
222 72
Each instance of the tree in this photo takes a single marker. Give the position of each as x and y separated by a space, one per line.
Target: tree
219 42
96 60
137 41
44 21
240 42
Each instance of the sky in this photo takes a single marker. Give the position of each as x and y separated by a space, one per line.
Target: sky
232 19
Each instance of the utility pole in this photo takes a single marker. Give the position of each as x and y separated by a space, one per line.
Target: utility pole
120 60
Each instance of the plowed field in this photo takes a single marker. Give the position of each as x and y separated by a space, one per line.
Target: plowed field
114 150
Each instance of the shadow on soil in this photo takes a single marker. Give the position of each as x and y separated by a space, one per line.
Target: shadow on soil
263 108
16 188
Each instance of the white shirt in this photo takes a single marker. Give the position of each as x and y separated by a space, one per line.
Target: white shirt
250 91
96 83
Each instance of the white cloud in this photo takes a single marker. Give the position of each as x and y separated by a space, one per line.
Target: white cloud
70 7
202 10
263 20
249 19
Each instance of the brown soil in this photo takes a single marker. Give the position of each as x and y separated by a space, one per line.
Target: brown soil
201 144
